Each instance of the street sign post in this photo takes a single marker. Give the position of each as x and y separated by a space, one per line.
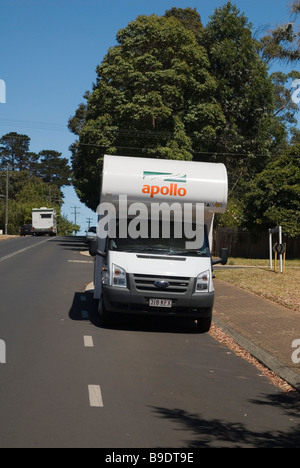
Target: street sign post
278 248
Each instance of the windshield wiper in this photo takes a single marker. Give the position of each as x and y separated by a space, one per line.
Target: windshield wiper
186 252
153 249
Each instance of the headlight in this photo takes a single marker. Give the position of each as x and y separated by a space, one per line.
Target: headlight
203 281
118 277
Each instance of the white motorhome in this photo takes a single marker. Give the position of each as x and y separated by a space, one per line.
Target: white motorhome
44 221
153 249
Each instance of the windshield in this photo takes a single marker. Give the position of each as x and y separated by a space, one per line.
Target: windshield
160 244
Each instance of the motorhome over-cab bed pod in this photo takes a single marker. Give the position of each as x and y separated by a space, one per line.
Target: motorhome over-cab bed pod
148 180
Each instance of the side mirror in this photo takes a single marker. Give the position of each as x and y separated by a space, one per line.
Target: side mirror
93 248
223 258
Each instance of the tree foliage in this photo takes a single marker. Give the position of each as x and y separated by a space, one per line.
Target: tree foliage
285 107
14 150
283 42
173 89
273 196
53 169
244 91
48 164
189 18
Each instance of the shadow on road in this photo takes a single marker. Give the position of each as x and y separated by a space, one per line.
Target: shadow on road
75 243
216 433
84 307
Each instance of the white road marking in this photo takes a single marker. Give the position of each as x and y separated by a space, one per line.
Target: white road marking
2 352
80 261
95 396
21 250
88 341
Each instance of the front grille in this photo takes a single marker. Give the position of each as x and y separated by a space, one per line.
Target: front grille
178 284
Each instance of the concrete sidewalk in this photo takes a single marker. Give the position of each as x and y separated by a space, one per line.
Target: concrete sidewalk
264 329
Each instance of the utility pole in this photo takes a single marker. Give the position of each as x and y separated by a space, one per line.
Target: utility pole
6 201
88 220
75 208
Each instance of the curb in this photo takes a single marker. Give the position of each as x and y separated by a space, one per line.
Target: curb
89 288
274 364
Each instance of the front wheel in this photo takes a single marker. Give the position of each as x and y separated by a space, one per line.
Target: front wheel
204 324
104 315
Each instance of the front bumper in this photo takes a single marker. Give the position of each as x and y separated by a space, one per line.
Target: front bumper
135 300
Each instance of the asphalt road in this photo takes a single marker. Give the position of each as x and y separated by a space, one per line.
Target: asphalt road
144 383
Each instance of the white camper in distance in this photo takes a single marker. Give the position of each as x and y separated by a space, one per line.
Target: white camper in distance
44 221
161 272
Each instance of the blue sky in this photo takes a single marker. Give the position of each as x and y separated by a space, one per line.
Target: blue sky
49 53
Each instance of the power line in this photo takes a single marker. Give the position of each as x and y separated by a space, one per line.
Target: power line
139 134
125 132
208 153
34 125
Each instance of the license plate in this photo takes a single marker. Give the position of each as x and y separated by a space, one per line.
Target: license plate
160 303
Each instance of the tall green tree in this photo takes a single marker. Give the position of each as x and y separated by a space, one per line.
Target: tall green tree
154 96
14 150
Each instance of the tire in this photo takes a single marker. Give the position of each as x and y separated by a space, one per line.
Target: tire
104 316
204 324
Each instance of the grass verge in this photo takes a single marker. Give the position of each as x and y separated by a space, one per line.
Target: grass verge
282 288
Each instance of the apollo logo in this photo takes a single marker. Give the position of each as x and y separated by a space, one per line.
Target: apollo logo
2 92
171 189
